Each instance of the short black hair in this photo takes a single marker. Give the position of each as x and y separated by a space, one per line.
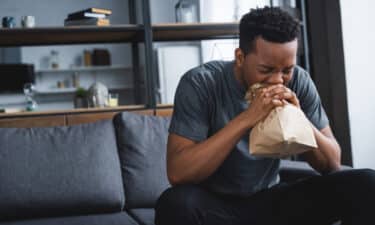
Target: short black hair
271 23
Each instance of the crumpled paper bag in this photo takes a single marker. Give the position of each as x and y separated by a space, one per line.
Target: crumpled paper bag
285 131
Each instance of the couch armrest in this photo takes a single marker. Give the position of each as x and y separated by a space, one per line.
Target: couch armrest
294 170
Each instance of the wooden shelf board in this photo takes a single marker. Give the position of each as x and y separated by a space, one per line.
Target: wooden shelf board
115 34
194 31
72 111
73 90
83 69
69 35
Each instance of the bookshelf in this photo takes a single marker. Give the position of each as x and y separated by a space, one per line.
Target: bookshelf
134 33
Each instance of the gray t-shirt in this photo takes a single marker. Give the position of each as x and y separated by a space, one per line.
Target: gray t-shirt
208 97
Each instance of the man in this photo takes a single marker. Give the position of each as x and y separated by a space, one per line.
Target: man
216 180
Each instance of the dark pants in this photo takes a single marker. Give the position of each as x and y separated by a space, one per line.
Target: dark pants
348 196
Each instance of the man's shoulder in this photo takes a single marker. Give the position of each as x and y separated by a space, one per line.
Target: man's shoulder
300 78
300 72
206 72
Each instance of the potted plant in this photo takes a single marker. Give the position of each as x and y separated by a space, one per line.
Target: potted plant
80 98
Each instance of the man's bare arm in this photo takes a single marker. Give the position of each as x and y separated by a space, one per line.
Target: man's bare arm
327 157
192 162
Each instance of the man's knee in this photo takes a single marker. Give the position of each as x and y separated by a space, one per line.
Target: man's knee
365 177
178 204
360 182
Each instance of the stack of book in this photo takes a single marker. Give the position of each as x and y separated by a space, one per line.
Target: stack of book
90 16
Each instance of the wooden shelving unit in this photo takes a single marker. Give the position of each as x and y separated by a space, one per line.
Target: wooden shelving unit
133 33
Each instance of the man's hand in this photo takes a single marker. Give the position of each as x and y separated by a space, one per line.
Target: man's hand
327 156
261 106
281 93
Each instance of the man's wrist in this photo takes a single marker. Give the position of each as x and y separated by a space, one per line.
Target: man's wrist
245 121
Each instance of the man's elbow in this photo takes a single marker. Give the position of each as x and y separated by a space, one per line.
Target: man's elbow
176 176
335 164
173 178
332 164
330 168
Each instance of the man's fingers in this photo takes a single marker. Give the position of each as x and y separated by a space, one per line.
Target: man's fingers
273 87
288 95
281 93
277 102
266 100
276 90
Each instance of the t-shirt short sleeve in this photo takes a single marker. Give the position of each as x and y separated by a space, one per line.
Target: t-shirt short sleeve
190 112
310 101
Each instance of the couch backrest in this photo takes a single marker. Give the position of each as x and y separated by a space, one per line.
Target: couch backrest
142 144
63 154
49 119
59 171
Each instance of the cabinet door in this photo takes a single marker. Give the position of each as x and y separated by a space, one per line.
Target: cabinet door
44 121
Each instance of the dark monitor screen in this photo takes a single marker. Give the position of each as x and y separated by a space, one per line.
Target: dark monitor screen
14 76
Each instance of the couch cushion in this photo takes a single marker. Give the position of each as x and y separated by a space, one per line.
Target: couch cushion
121 218
59 171
143 216
142 143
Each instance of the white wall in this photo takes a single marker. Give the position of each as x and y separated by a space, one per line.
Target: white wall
359 47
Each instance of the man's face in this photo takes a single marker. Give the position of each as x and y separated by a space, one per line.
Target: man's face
268 63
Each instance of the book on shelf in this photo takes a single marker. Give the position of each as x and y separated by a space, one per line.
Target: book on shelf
86 15
88 21
89 16
91 10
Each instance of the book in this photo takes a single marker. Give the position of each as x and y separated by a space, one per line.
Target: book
88 21
90 10
85 15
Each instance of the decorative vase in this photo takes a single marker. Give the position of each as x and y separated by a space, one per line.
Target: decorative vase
186 12
98 95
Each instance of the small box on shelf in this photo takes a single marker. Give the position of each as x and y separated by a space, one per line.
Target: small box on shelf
101 57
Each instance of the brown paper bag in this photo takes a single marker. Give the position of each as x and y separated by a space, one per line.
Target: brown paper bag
285 131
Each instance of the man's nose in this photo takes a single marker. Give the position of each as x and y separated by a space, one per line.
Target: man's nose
276 78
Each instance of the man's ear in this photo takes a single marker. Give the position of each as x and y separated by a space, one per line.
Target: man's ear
239 57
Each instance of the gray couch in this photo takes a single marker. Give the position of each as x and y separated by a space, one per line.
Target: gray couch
103 173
